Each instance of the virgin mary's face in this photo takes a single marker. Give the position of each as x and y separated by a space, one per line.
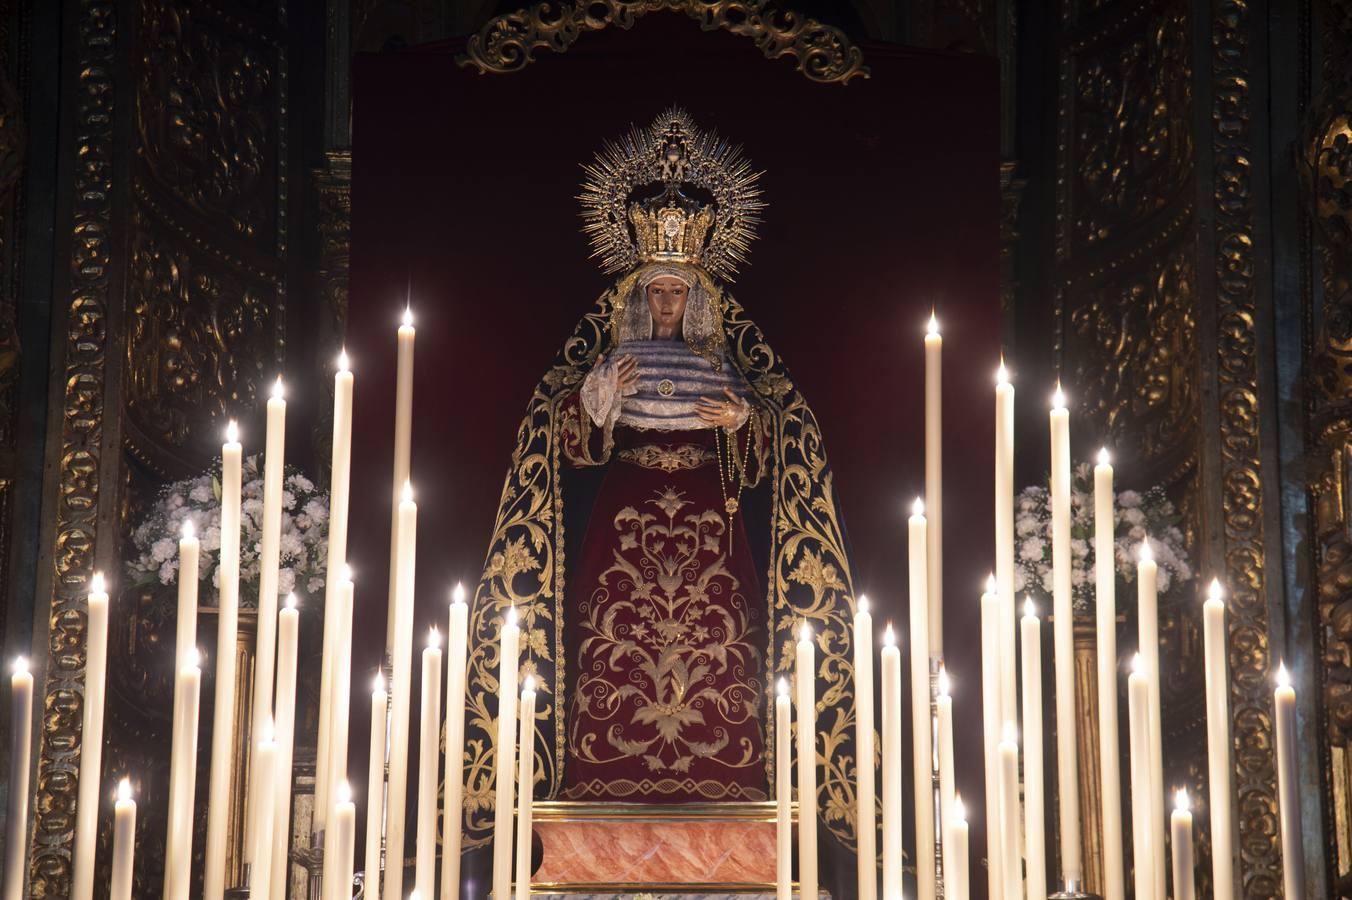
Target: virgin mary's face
666 302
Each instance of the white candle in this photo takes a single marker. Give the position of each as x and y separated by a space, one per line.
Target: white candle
1142 825
401 678
805 677
1218 742
865 792
934 482
922 748
943 717
182 779
1105 602
425 872
1009 811
526 780
20 758
1004 538
1288 785
91 742
265 773
223 722
259 802
1063 643
453 816
403 453
891 706
1148 639
341 706
340 844
1035 826
990 732
1180 824
124 843
783 794
957 884
185 636
339 486
505 750
288 627
375 787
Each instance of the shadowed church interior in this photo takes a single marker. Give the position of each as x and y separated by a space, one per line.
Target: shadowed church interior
700 448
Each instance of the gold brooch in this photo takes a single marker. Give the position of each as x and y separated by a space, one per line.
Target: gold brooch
666 387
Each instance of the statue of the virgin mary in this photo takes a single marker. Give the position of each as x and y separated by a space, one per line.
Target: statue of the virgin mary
669 520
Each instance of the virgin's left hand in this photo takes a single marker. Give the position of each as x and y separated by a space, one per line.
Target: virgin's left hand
729 413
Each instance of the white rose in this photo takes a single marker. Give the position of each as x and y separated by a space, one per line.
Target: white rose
162 549
317 511
300 483
200 494
1031 549
286 580
1127 499
291 546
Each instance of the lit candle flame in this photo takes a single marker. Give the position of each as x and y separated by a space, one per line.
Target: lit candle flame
378 683
528 686
1137 665
959 810
805 633
511 617
407 495
783 687
1059 397
1002 374
96 583
1215 591
458 593
1029 609
408 317
124 790
189 530
343 793
1147 555
278 391
889 636
1181 802
232 432
1103 457
932 329
344 364
291 600
266 734
991 584
943 680
192 659
863 603
345 574
433 638
918 507
1283 676
1011 733
20 665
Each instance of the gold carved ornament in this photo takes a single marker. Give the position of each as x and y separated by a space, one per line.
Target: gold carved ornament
822 52
808 577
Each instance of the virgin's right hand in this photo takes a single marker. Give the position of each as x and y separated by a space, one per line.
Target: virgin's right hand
627 370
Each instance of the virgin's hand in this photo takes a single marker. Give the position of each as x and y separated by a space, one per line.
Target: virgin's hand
627 370
725 413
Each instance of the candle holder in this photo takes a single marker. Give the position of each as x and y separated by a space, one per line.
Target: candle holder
311 859
1073 892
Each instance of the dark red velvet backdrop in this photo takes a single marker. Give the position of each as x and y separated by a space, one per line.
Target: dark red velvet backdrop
883 200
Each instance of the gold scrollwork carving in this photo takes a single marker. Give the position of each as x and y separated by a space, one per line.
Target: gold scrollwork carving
79 451
822 52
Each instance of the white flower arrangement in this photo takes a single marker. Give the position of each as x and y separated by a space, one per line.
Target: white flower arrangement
1137 517
303 542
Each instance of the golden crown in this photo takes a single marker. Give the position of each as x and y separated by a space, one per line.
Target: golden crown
635 210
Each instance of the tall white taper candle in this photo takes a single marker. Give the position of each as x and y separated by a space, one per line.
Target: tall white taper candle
124 843
1218 742
922 741
526 781
403 454
990 733
1004 539
259 801
182 779
1147 618
943 719
401 691
865 793
1105 602
891 710
1009 811
339 496
288 636
20 758
429 759
957 868
934 482
505 750
91 741
783 793
1288 786
1034 768
453 815
1180 826
265 773
340 844
1143 827
223 721
1067 763
375 788
805 679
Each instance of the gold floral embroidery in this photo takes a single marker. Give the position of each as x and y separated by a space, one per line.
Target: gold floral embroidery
668 458
688 653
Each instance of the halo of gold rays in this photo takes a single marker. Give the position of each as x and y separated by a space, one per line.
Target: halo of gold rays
671 151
